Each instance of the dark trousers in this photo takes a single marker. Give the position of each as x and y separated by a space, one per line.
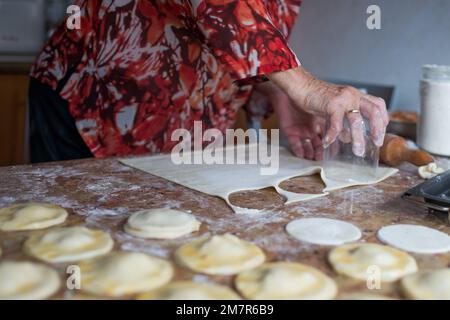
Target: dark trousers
53 134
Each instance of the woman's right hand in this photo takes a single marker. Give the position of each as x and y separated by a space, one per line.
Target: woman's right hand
336 103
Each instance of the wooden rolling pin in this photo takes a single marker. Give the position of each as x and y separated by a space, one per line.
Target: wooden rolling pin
395 151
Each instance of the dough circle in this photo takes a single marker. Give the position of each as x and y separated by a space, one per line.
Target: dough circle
161 224
414 238
188 290
27 281
322 231
68 244
124 273
364 296
363 260
31 216
285 280
220 255
427 285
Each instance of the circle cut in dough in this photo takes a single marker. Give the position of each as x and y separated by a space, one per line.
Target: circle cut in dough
188 290
414 238
364 296
124 273
31 216
322 231
220 255
161 224
27 281
68 244
427 285
287 281
363 261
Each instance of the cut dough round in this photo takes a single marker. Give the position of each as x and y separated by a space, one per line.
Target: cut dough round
123 273
31 216
362 260
427 285
413 238
27 281
187 290
68 244
220 255
322 231
161 224
284 280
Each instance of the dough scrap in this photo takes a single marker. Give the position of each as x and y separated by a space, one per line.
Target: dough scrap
188 290
124 273
361 260
31 216
414 238
220 255
161 224
68 244
27 281
322 231
427 285
285 280
430 170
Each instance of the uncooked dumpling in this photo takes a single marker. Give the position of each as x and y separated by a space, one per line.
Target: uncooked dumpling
322 231
413 238
364 296
188 290
362 260
124 273
161 224
220 255
287 281
68 244
31 216
27 281
427 285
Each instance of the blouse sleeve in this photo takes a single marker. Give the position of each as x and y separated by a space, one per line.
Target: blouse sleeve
66 47
242 35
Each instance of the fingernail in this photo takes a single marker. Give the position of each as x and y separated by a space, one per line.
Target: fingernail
358 150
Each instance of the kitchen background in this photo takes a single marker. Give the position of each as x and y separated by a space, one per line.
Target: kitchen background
330 38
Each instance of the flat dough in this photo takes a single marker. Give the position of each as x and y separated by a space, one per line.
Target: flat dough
220 255
68 244
31 216
188 290
285 281
27 281
124 273
427 285
354 261
414 238
161 224
322 231
223 180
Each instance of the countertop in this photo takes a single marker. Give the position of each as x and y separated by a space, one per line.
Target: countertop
103 193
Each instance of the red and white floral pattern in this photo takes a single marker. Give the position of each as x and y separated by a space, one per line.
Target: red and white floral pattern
139 69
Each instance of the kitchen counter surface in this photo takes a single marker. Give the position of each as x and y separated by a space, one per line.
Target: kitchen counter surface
103 193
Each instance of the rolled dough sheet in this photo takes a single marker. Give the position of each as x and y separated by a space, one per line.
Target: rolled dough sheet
222 180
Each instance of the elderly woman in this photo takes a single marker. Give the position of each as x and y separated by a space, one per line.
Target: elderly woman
137 70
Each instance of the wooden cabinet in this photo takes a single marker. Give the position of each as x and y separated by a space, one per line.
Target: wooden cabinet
13 115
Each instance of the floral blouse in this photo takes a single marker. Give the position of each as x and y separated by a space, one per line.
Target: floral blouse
137 70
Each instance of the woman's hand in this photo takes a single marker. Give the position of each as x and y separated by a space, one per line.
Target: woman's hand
304 131
335 103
